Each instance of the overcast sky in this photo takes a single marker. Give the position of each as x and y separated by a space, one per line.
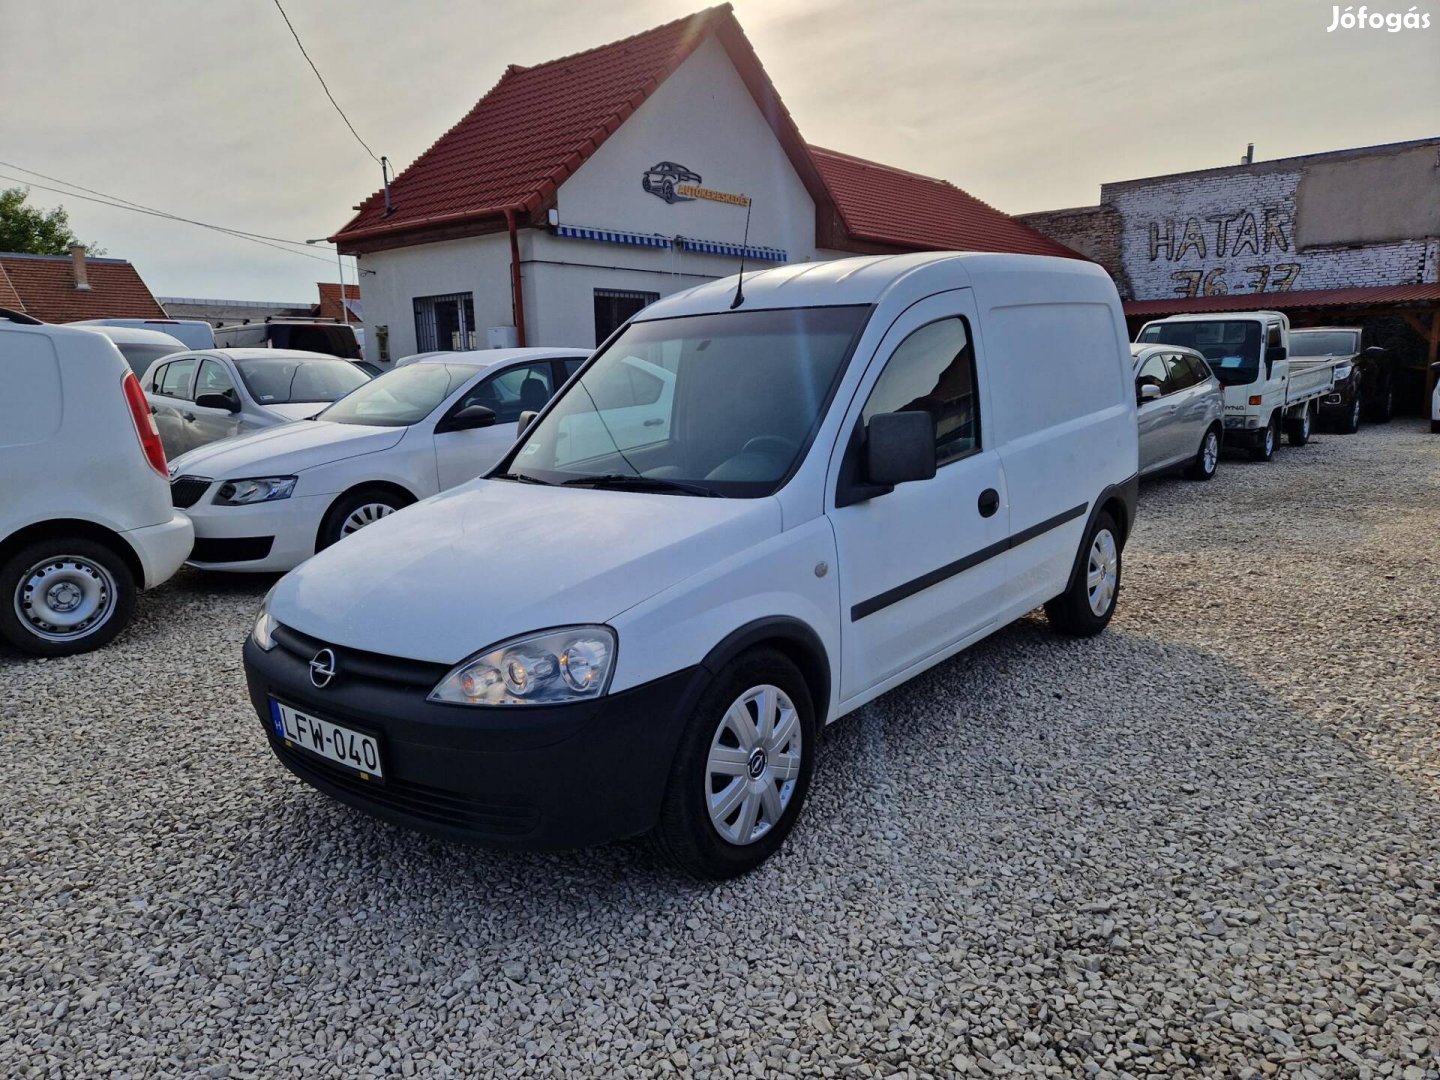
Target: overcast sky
207 110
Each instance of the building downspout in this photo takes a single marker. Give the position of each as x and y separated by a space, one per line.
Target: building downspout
517 285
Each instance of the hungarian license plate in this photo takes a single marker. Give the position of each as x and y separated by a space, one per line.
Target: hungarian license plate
353 749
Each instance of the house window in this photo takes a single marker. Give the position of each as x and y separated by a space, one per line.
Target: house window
445 323
614 306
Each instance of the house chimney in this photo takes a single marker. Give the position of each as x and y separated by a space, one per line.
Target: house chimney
1249 158
77 261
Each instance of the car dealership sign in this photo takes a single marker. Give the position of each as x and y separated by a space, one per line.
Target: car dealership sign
674 183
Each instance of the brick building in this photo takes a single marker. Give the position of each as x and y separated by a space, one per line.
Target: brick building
1348 236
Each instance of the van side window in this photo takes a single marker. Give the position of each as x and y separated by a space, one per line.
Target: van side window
933 370
176 380
1272 336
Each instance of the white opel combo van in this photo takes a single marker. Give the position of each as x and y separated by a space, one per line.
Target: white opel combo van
758 506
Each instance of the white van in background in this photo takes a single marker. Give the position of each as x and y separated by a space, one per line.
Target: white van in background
862 468
195 333
85 514
139 346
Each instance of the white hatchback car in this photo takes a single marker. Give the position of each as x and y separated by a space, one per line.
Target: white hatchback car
857 469
269 500
200 397
85 523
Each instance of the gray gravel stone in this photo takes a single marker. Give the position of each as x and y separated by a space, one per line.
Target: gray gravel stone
1203 844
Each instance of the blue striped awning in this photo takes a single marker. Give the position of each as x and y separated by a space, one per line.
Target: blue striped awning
655 240
612 236
738 251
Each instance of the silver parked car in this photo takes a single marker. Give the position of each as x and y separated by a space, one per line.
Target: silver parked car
1181 407
201 396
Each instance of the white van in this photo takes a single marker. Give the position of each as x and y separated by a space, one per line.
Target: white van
138 346
85 514
195 333
867 465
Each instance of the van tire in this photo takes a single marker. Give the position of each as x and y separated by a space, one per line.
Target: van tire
1071 613
1350 422
685 833
1207 458
365 501
92 572
1265 449
1297 432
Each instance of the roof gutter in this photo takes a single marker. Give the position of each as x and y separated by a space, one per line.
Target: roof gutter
416 224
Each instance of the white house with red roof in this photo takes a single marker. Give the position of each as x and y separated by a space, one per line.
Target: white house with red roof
577 191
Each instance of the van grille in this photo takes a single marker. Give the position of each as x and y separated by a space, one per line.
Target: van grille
185 491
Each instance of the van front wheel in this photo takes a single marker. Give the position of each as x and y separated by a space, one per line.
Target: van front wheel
1264 450
1084 609
742 769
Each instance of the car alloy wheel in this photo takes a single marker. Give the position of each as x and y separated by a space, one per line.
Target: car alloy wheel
1210 455
1269 438
753 764
365 514
1102 572
65 598
1355 414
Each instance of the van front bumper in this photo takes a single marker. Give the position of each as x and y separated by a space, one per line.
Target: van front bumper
535 777
162 548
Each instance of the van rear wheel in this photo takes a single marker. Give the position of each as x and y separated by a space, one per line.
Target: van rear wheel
742 769
1085 607
64 596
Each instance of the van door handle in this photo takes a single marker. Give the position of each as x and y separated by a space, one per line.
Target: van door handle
188 415
989 502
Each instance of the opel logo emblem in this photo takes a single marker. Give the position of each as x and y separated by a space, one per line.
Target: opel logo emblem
322 668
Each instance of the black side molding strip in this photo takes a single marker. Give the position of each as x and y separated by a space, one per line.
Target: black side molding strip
959 566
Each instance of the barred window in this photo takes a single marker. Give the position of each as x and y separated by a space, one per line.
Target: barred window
445 323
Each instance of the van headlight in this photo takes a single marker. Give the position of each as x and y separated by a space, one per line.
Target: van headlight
264 630
254 490
572 664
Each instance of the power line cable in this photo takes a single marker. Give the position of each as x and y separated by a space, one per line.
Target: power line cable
170 217
322 83
130 204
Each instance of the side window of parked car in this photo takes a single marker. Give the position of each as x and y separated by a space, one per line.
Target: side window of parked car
176 380
1182 376
933 370
157 379
214 379
509 393
1153 372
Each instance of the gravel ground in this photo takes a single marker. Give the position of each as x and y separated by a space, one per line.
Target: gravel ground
1203 844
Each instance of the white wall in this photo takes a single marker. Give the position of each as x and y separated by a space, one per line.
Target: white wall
478 265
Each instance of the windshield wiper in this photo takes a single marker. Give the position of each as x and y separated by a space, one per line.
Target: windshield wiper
643 483
521 478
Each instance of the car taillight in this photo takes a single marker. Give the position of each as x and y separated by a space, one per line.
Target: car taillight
144 423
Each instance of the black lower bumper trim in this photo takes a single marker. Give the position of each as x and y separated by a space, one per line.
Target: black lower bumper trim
538 777
231 549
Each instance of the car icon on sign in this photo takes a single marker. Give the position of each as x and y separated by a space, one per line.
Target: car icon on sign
662 179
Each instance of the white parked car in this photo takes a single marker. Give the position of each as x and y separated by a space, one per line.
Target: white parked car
271 499
867 466
140 347
200 397
85 517
195 333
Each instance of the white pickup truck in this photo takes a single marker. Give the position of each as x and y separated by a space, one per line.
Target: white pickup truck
1249 353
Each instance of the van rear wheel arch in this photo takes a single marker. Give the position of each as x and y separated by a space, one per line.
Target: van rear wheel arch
75 527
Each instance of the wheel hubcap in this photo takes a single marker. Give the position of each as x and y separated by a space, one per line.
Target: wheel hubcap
1212 452
1269 438
1103 572
753 765
1305 424
64 598
365 515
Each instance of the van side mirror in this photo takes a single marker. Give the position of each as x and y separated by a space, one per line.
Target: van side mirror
467 419
526 419
218 401
1147 392
899 448
1279 352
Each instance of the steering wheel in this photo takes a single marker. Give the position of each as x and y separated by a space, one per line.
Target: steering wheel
771 444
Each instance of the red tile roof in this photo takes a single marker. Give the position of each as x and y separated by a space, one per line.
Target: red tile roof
539 124
888 206
330 299
1365 296
45 285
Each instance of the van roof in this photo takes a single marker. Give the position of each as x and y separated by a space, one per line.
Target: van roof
135 335
861 280
1225 316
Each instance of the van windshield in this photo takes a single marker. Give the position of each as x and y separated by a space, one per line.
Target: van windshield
719 404
400 397
1232 347
281 380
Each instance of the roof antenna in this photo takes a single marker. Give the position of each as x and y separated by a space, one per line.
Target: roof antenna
744 244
